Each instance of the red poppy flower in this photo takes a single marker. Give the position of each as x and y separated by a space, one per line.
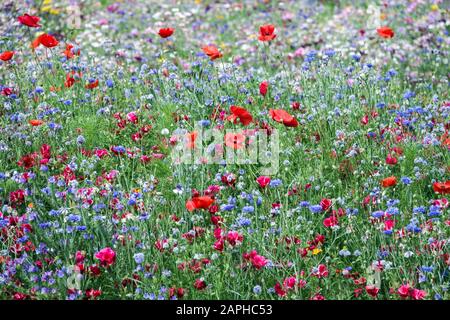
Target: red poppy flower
234 140
71 78
6 56
202 202
389 182
263 88
29 21
240 113
280 115
266 33
69 53
35 122
46 40
442 187
212 52
92 85
191 136
385 32
166 32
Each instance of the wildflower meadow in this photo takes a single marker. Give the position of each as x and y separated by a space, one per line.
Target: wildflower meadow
208 150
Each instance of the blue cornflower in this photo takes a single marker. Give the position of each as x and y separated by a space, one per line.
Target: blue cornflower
427 269
317 208
74 218
248 209
406 180
378 214
257 289
304 204
80 140
139 258
275 183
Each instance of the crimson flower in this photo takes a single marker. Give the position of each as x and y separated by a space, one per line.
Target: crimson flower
263 181
263 88
29 21
166 32
330 222
391 160
372 291
326 204
107 256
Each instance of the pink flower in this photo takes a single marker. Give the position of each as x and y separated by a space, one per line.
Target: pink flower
218 245
318 297
389 225
79 257
263 181
391 160
257 261
417 294
234 237
365 120
107 256
101 153
403 291
132 117
289 282
321 271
